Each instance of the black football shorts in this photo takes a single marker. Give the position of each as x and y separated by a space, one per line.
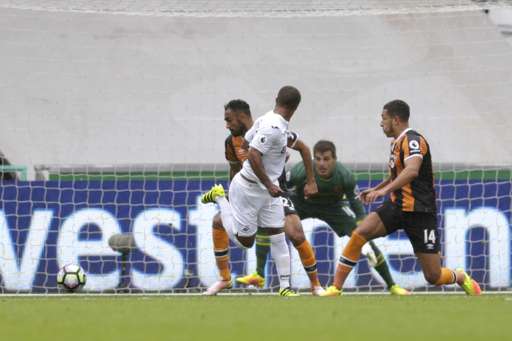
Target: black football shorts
420 227
288 206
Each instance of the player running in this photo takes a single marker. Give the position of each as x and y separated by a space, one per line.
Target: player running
238 120
254 193
411 206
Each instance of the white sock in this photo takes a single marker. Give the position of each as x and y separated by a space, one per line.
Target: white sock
227 219
281 256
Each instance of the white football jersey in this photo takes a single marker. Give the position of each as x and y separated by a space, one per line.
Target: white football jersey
269 135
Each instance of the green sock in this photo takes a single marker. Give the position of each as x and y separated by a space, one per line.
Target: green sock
262 250
382 267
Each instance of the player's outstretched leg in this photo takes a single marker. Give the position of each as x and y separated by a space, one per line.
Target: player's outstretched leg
376 259
221 250
217 195
257 278
372 227
346 262
294 231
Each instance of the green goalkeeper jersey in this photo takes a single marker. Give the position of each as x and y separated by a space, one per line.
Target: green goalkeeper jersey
336 191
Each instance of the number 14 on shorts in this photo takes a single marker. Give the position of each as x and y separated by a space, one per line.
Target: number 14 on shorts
429 236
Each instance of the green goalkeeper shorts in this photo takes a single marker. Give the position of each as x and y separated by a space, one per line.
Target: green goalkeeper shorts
341 219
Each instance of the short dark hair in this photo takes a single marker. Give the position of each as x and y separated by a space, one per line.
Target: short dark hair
238 105
288 97
399 109
323 146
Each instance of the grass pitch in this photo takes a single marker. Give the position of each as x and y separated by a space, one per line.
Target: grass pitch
262 318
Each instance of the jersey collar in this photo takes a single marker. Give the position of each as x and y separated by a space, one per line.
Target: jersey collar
281 118
401 135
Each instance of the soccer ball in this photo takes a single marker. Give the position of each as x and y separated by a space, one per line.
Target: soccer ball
71 277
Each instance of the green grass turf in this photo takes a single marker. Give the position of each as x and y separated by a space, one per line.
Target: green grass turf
263 318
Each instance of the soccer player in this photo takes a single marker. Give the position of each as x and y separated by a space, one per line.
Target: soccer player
237 116
254 193
336 204
411 206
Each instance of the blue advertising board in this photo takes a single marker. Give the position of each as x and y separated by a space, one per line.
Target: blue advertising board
45 225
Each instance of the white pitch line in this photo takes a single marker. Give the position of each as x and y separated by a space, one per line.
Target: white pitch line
234 294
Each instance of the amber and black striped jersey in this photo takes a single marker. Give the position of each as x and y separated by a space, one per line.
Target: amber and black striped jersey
418 195
236 149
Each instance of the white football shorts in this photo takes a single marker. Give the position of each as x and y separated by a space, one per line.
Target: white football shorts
252 206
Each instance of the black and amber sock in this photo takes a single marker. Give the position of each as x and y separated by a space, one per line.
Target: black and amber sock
447 277
348 259
308 259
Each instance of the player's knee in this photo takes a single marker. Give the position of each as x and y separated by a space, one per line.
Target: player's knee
296 237
293 230
217 222
363 232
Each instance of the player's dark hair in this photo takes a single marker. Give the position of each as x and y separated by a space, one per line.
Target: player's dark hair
399 109
238 105
323 146
288 97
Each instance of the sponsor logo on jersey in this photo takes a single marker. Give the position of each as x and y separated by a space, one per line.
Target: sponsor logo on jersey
414 145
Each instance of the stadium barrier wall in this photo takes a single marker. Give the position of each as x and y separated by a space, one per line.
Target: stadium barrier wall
89 85
46 224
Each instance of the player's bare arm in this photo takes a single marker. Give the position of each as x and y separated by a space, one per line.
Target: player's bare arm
410 172
311 187
257 166
364 193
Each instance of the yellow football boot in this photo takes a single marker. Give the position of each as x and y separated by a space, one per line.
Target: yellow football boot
470 286
288 292
215 192
397 290
331 291
252 279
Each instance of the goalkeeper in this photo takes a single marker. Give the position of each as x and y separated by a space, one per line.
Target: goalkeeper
336 204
